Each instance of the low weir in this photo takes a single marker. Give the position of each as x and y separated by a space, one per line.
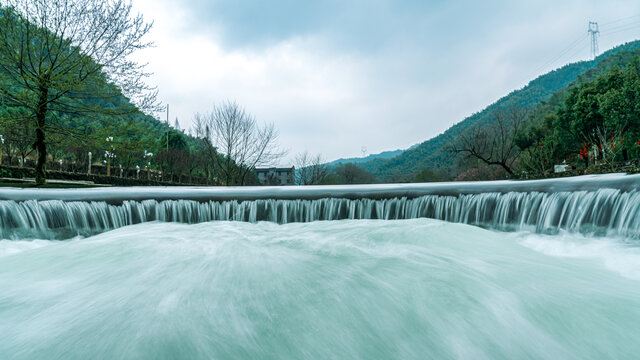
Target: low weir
602 205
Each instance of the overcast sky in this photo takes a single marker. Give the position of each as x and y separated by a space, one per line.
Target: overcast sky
337 75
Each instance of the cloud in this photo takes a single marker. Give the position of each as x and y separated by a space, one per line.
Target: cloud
334 75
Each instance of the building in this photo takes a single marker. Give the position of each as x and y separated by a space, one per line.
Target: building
562 167
277 176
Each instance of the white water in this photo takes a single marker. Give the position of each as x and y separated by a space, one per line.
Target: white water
608 212
367 289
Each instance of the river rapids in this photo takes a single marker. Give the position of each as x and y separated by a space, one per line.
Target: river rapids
349 289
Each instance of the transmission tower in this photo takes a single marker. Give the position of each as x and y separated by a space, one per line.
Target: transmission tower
364 150
594 31
176 125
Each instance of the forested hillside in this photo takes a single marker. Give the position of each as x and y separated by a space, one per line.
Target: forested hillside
72 101
550 90
357 160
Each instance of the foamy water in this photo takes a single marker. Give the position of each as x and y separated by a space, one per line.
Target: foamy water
368 289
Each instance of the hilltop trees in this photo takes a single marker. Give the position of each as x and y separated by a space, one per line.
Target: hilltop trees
63 58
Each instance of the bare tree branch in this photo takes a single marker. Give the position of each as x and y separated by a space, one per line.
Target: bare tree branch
494 144
236 135
310 169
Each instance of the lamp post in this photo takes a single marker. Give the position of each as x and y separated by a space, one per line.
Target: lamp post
1 146
137 172
89 171
147 158
60 162
109 154
120 170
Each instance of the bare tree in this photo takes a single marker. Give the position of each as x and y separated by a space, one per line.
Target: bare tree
70 57
611 141
243 143
495 143
311 170
206 154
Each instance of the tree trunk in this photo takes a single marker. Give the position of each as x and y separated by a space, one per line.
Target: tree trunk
40 145
506 168
228 170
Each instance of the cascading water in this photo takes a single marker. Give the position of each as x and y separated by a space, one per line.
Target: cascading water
601 212
146 274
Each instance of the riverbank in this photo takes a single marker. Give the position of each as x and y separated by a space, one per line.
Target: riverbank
11 176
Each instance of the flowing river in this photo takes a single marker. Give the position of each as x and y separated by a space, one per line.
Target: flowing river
373 281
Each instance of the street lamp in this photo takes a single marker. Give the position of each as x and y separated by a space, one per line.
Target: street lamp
147 157
1 145
89 171
109 154
60 162
138 172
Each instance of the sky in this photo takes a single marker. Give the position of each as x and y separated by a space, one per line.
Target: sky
335 76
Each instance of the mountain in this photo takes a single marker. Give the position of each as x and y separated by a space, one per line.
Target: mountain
383 155
431 154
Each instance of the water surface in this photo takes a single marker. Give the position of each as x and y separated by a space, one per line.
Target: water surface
363 289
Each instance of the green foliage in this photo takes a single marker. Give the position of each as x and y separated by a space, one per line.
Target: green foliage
349 174
546 94
599 118
431 176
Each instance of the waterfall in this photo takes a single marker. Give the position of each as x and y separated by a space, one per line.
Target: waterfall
610 212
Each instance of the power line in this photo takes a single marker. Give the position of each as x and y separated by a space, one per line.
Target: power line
622 19
621 26
574 48
611 32
560 55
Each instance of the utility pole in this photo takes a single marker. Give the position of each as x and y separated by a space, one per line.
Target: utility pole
594 31
167 128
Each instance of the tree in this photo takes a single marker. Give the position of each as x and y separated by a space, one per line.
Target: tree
495 143
18 140
173 163
353 174
538 159
244 144
311 169
71 58
431 176
173 159
601 113
130 140
206 155
540 145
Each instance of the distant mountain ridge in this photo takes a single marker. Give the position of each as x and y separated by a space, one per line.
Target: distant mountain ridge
430 155
357 160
